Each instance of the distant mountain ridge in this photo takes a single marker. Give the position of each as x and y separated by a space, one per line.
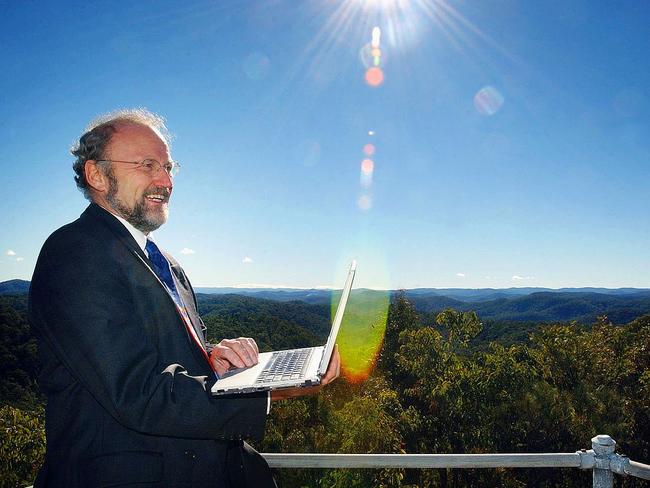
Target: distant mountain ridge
548 307
321 295
542 305
318 295
14 287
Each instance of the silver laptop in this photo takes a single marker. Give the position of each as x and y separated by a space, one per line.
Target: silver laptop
291 368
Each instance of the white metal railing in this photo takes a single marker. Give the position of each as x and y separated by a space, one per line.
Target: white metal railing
563 460
601 459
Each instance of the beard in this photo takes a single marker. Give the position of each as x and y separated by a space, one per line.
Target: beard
139 216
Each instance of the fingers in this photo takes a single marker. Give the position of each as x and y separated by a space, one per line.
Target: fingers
243 352
253 344
245 348
239 353
219 363
333 372
334 368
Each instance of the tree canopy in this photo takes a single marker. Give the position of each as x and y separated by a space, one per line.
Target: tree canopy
437 387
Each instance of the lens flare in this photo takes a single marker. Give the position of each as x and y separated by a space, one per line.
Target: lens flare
364 323
257 66
372 58
365 202
362 332
367 166
376 37
368 55
488 101
369 149
374 76
366 180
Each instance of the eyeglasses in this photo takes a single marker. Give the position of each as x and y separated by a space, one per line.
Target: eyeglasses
150 166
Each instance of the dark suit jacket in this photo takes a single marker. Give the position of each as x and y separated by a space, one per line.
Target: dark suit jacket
125 401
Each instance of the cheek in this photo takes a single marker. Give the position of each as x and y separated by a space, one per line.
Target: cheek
130 194
137 191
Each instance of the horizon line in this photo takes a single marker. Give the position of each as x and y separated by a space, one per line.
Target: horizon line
326 287
331 287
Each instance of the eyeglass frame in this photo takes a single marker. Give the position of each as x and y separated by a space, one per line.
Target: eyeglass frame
171 172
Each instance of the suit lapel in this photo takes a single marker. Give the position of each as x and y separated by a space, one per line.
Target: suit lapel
185 291
182 286
122 234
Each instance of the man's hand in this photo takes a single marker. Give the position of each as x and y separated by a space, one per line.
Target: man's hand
333 371
234 353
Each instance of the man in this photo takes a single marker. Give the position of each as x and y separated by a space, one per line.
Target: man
126 368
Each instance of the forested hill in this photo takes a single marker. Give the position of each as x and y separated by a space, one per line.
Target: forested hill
539 305
273 324
546 307
460 294
442 383
13 287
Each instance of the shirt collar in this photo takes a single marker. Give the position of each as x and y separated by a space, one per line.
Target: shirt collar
139 236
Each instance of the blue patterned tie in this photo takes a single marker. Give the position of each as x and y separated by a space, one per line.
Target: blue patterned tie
161 268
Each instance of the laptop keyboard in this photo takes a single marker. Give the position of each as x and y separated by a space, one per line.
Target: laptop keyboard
285 365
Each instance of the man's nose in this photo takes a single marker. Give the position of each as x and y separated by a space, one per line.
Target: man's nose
163 178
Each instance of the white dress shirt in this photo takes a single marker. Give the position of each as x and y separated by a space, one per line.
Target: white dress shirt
141 238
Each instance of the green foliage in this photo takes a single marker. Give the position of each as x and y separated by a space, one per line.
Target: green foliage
22 445
18 355
461 326
401 317
343 418
605 372
274 325
552 395
444 384
544 307
362 331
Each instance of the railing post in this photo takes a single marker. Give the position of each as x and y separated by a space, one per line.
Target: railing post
604 447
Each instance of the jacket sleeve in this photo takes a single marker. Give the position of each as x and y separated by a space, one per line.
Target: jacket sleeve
85 306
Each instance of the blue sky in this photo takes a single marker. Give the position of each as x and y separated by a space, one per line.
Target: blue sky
540 179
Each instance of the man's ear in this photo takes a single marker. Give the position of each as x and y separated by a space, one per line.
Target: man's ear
95 177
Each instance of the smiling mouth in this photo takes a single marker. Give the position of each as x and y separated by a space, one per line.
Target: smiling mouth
157 198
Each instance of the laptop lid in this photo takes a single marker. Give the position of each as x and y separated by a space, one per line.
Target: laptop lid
338 318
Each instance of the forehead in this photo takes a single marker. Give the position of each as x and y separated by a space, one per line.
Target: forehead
138 141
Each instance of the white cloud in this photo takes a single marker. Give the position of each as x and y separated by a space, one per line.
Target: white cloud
10 252
187 250
460 275
522 278
20 259
247 260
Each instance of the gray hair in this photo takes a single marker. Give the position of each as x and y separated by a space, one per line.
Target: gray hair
92 144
